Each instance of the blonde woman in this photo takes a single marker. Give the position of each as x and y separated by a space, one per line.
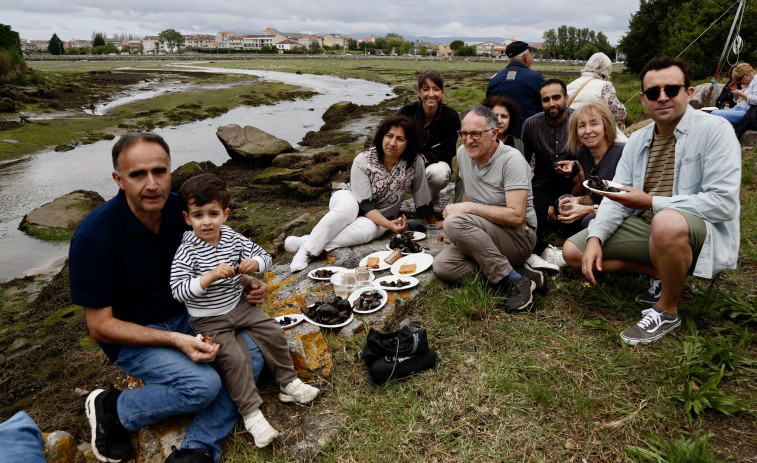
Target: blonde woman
742 74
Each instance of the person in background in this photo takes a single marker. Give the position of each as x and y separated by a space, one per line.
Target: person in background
439 124
594 84
365 208
519 82
743 75
508 114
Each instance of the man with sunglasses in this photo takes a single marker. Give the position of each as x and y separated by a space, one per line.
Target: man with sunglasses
545 138
492 229
678 213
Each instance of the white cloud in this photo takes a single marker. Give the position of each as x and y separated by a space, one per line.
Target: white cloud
527 21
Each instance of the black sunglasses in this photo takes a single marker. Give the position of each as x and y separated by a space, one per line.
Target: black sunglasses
671 91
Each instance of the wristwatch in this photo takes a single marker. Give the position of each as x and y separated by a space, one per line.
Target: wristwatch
596 206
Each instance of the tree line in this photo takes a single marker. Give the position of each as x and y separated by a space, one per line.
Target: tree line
568 42
668 27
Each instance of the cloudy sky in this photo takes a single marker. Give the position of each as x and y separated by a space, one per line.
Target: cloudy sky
38 19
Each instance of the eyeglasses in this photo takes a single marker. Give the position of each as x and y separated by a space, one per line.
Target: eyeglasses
671 91
473 135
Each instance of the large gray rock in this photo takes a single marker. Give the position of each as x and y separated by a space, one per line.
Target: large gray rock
58 220
749 140
251 145
702 92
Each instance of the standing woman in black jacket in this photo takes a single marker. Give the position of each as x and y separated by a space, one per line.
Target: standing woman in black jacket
440 124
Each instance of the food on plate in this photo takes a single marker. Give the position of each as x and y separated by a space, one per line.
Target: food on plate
400 283
372 262
407 268
601 185
330 311
323 273
404 242
393 257
368 300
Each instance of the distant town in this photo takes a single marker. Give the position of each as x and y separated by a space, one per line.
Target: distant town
272 41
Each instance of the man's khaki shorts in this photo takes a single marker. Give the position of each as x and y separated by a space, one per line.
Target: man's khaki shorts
630 242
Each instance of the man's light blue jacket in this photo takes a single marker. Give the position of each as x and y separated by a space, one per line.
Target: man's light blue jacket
707 184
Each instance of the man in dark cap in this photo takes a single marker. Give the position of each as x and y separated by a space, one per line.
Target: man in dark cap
519 82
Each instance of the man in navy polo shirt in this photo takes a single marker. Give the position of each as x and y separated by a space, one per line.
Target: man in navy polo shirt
519 82
119 266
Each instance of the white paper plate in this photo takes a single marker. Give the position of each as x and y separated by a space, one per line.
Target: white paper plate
421 261
388 246
417 236
296 319
609 183
345 323
356 294
381 255
311 274
412 280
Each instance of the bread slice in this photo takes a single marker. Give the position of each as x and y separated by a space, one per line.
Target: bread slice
407 268
393 257
372 262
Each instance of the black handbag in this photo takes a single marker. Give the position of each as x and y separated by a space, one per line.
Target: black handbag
397 355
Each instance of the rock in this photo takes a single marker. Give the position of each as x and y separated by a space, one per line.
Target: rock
60 447
273 175
302 190
155 442
296 160
319 429
701 92
6 104
251 145
190 169
749 140
58 220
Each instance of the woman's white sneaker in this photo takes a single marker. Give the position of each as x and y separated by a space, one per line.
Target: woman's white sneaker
538 263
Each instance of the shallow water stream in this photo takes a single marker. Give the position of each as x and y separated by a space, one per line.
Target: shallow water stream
40 178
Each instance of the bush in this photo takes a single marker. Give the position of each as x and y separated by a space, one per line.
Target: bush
12 64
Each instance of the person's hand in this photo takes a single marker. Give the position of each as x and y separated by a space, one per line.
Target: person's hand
455 208
222 271
564 168
255 290
195 349
551 217
575 212
398 225
248 266
635 198
592 259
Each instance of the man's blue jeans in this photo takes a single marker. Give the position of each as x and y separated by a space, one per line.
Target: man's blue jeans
174 384
21 440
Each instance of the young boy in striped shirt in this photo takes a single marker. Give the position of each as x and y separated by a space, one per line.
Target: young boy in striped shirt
206 275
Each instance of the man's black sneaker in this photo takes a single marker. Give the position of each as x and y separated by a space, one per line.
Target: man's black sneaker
652 295
533 275
190 456
654 324
110 440
519 294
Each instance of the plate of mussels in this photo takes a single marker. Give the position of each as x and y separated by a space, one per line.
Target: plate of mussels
289 320
395 283
405 242
367 300
597 185
332 312
325 273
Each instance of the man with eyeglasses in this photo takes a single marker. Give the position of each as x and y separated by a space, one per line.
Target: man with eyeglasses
519 82
678 213
493 228
545 138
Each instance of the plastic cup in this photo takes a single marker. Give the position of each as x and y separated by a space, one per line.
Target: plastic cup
364 276
434 236
345 283
565 208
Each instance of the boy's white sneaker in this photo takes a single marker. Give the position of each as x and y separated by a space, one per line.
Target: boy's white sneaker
262 432
300 260
299 392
